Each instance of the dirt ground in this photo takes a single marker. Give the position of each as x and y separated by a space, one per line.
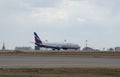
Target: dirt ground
106 54
59 72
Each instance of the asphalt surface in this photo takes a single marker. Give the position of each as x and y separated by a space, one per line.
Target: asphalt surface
54 61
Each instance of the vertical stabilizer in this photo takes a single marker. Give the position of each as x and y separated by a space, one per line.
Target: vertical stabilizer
37 39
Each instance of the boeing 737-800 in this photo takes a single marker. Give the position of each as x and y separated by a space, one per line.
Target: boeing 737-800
54 46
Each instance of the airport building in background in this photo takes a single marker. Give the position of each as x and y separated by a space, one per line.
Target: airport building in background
88 49
117 49
23 48
111 49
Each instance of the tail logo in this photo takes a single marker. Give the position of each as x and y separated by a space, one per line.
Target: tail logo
37 39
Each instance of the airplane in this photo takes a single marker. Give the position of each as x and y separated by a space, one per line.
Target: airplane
54 46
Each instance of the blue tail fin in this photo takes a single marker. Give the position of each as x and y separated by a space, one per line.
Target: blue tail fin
37 39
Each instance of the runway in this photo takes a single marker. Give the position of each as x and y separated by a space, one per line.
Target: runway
54 61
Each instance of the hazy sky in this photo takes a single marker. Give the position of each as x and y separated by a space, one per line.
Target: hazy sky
97 21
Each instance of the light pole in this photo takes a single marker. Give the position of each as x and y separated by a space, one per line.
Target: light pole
86 43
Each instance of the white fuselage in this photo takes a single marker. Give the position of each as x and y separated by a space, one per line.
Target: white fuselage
64 46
